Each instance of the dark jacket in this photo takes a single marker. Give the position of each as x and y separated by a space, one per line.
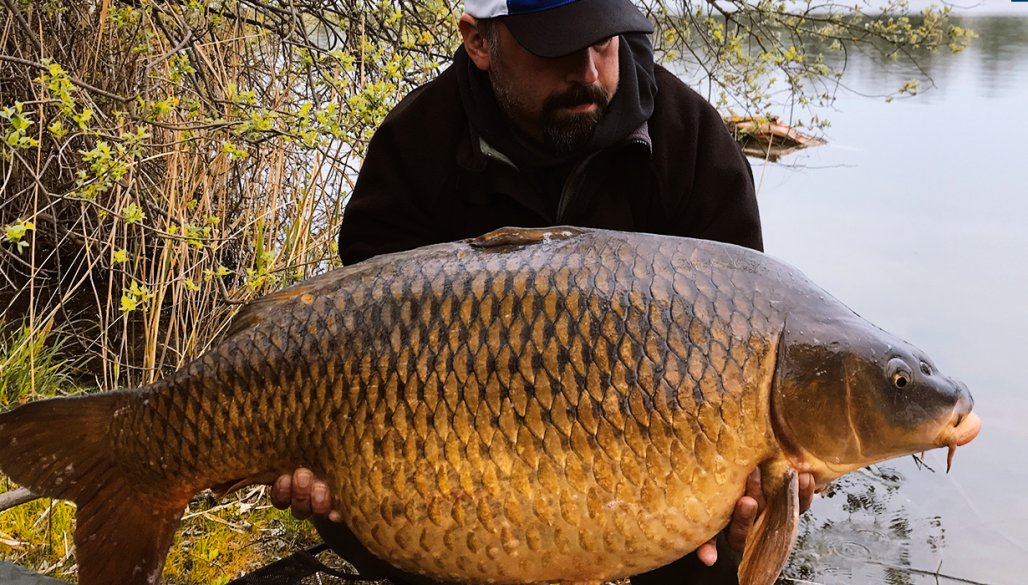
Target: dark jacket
429 178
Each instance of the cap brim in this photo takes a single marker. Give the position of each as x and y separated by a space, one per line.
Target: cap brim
566 29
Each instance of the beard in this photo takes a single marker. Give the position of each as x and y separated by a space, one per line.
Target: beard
561 131
565 132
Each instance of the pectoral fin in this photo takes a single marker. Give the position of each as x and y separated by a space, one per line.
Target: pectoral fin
770 541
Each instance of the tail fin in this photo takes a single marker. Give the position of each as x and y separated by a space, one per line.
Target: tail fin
60 448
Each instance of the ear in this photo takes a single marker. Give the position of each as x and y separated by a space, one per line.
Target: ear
474 43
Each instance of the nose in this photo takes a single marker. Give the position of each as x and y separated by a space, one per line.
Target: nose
583 68
965 402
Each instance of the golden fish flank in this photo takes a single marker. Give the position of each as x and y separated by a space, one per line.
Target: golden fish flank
533 406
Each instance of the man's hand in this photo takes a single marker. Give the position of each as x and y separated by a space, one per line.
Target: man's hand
746 510
304 495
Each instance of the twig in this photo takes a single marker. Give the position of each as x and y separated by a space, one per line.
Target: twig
12 7
16 498
74 80
935 573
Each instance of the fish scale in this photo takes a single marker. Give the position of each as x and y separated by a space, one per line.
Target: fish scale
533 406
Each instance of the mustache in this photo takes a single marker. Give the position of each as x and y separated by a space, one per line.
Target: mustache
577 95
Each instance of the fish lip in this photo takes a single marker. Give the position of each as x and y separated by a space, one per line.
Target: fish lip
963 429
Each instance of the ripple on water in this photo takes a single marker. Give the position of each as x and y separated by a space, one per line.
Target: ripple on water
864 533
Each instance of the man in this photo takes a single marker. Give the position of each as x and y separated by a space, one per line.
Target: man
553 112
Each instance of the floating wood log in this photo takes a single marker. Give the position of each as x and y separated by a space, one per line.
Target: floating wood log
768 137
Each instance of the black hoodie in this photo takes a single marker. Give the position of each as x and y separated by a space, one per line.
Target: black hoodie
441 167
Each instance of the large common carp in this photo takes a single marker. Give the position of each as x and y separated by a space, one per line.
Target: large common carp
533 406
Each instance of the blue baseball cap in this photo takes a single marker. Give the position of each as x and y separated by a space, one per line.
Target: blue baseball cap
554 28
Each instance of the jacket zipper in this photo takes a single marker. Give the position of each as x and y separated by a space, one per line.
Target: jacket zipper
571 185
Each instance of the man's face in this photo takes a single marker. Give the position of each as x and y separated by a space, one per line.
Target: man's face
557 102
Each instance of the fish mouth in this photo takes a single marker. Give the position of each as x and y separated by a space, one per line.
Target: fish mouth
963 429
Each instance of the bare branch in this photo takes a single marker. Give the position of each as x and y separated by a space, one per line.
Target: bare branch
15 498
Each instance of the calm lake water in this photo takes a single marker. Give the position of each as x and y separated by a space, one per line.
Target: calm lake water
916 215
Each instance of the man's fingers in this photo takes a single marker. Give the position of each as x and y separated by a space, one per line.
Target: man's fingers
806 491
321 503
707 553
755 490
304 495
281 491
303 482
742 521
749 506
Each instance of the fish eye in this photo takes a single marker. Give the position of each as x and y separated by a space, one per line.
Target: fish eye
926 369
899 373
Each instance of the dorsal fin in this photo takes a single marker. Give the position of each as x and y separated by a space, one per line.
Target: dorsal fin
258 310
515 236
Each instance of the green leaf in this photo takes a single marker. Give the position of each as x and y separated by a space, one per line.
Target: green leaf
14 232
132 213
128 304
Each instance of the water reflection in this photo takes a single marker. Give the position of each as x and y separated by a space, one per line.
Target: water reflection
997 52
863 532
1001 47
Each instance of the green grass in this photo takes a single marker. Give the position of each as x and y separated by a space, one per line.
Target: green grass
38 535
31 363
216 542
